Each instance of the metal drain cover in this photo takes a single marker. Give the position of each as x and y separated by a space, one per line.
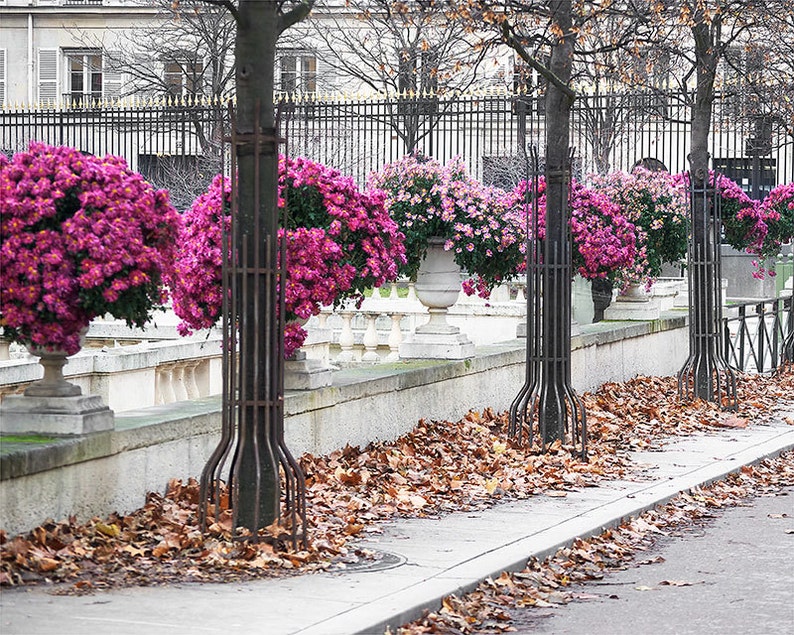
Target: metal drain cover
363 560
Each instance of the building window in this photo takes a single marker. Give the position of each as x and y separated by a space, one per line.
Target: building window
298 72
184 78
83 76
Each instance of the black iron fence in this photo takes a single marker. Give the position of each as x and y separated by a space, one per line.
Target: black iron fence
178 145
759 337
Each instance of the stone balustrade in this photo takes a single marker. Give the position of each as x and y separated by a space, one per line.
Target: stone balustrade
112 470
373 332
136 375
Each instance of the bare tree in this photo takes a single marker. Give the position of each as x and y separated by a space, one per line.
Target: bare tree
257 397
706 33
183 58
409 49
548 36
184 53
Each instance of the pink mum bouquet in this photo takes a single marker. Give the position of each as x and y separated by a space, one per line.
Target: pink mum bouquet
80 236
745 222
778 211
658 210
340 242
428 199
604 240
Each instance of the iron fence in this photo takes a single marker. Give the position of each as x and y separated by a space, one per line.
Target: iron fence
178 145
759 338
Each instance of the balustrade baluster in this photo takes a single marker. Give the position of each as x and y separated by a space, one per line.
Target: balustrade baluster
395 337
370 340
346 339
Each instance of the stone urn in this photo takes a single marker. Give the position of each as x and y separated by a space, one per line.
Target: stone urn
438 286
601 292
52 405
53 383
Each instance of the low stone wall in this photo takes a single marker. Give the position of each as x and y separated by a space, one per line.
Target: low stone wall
113 470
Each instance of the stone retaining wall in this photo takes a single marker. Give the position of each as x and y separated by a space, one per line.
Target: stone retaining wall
113 471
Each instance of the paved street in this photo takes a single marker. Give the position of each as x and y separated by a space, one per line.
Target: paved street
736 577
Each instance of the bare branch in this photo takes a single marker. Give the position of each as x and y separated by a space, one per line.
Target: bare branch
294 15
226 4
513 42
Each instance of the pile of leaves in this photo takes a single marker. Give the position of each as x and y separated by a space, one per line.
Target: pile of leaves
493 605
440 467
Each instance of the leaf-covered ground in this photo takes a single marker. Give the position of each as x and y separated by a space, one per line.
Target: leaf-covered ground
440 467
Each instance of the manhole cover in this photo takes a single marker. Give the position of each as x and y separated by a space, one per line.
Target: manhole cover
369 560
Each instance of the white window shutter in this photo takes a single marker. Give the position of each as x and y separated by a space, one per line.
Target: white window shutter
48 76
3 81
111 78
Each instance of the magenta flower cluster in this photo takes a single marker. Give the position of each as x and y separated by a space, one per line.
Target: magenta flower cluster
428 199
658 210
80 236
778 210
749 225
604 240
340 242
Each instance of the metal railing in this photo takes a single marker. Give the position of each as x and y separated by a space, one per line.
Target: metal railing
759 338
488 129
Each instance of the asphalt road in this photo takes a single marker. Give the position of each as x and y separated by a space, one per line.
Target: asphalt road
733 575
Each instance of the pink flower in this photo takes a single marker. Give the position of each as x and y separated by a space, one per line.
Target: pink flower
428 199
340 242
604 240
81 236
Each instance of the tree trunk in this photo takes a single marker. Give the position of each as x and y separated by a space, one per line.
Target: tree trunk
556 314
705 295
257 222
706 71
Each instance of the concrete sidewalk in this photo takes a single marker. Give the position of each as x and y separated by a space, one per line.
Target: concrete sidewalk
424 559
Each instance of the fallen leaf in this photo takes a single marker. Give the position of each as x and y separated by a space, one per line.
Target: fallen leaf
731 421
654 560
46 564
109 530
491 484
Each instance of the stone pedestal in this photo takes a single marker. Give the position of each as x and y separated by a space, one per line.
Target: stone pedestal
665 293
438 288
54 416
429 345
301 373
622 309
634 304
53 406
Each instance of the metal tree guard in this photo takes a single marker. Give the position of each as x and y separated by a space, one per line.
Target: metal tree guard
252 445
706 374
547 395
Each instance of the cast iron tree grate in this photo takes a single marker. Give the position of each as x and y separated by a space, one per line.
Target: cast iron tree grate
265 483
706 374
547 402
